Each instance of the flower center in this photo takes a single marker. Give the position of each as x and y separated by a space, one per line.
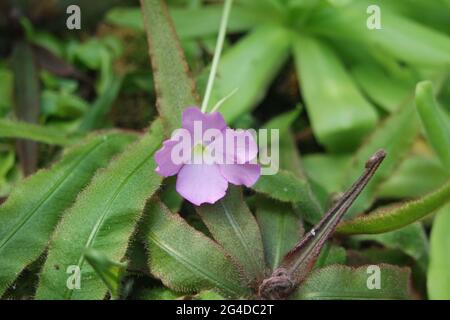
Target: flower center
198 149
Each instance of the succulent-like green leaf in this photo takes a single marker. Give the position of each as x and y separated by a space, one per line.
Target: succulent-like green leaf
398 35
416 176
385 90
280 228
29 131
435 122
331 254
184 258
249 66
111 272
397 216
103 217
29 216
174 88
234 227
439 267
328 89
396 136
346 283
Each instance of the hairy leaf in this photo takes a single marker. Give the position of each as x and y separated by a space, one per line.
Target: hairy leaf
34 207
396 216
103 217
280 227
23 130
345 283
234 227
184 258
439 267
329 89
435 122
174 88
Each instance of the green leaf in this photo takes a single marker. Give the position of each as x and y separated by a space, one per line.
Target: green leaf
396 136
104 217
158 294
328 170
328 89
439 267
208 295
97 113
184 258
109 271
249 66
346 283
287 187
411 239
330 255
414 177
400 37
280 228
23 130
174 88
234 227
385 90
437 126
30 214
197 22
397 216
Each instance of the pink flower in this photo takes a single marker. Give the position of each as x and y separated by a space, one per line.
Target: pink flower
223 159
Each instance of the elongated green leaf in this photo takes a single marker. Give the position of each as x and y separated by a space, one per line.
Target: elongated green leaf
280 228
110 272
383 89
233 226
33 209
397 216
397 36
249 66
23 130
174 88
103 218
396 136
436 124
345 283
439 268
96 114
416 176
185 259
328 90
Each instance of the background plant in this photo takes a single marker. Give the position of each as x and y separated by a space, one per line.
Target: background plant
358 89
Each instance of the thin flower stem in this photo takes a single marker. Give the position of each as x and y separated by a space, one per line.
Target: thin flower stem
217 53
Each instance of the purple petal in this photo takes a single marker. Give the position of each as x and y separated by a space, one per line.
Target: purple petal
240 146
212 120
201 183
163 157
241 174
